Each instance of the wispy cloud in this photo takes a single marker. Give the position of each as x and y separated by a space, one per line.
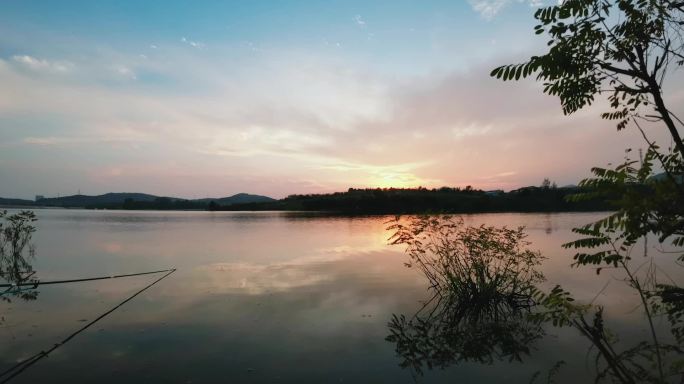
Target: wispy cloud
36 64
125 71
122 137
53 140
359 20
472 129
194 44
506 174
490 8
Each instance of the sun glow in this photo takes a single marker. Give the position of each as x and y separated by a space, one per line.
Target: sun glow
396 180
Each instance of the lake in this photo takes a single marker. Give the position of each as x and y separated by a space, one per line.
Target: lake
267 297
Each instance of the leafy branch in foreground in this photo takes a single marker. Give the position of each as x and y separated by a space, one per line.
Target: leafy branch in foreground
644 204
624 48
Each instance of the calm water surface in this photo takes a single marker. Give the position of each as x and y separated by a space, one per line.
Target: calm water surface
263 297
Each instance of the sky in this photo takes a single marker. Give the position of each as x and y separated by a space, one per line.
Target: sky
208 99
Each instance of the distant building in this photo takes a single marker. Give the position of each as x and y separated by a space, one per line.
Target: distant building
39 197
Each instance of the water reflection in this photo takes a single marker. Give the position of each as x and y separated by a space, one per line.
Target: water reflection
449 334
548 224
260 299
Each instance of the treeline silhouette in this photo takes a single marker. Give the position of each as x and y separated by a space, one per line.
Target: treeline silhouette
422 200
160 203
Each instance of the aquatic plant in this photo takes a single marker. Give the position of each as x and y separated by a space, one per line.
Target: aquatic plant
481 280
475 265
16 252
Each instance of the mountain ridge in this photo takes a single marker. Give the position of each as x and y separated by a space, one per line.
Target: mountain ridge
113 199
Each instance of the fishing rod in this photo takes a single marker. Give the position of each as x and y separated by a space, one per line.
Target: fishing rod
21 366
36 283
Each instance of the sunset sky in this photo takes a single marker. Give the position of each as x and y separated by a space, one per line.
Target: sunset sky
193 100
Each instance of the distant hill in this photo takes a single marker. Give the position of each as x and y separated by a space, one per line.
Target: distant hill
128 200
240 198
15 202
87 201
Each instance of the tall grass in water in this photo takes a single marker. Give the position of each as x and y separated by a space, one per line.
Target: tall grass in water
481 280
16 252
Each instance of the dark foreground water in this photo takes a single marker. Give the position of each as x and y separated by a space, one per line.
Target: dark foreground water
265 298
